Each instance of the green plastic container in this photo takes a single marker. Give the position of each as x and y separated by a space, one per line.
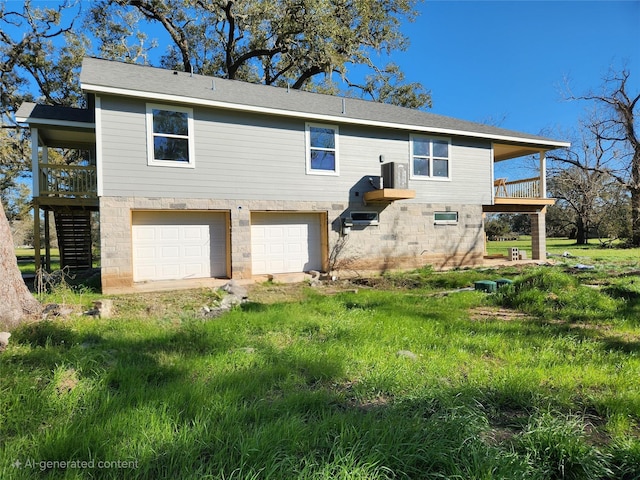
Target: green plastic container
485 286
501 282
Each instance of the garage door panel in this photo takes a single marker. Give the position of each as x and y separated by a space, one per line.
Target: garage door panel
177 245
196 233
195 251
285 242
145 233
145 253
147 271
170 271
169 233
193 270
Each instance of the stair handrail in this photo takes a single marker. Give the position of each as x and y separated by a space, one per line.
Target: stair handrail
68 180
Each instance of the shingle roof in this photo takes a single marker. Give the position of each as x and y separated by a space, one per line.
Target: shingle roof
54 114
155 83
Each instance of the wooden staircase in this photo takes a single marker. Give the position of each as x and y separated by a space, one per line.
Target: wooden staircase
73 227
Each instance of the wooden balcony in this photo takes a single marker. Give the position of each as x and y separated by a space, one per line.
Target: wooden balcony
518 196
67 185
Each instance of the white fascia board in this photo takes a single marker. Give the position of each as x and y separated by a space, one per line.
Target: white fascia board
55 123
316 117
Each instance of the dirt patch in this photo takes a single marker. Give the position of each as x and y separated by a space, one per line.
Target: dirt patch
67 381
269 293
496 313
352 401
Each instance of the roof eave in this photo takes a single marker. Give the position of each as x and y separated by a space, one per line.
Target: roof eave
543 144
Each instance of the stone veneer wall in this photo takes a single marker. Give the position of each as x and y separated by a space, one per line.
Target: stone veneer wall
405 238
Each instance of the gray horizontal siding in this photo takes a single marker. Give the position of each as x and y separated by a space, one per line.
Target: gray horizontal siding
470 172
252 157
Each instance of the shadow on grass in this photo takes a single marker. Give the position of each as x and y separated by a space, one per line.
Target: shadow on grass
199 401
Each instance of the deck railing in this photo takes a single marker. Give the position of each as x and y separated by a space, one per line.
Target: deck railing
68 180
526 188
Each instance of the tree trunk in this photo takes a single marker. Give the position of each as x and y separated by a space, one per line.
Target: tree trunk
16 302
582 233
635 217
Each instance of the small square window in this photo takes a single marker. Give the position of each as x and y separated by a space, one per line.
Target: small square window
429 158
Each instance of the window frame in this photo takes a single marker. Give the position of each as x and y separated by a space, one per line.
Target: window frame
430 158
309 148
437 221
151 135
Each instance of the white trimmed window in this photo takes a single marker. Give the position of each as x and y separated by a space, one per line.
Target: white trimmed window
322 149
430 158
170 136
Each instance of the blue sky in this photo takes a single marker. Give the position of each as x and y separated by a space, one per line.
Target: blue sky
505 62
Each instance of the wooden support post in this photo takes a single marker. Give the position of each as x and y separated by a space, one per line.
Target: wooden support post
47 242
36 234
543 174
35 158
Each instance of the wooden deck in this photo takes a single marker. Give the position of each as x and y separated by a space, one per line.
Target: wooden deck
518 196
67 186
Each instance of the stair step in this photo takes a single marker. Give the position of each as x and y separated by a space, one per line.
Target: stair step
74 239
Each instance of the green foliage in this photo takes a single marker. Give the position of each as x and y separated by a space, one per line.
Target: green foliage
497 225
280 42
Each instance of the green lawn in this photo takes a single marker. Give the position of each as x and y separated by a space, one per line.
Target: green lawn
593 252
392 379
26 262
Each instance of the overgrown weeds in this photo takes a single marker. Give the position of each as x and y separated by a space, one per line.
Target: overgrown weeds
552 294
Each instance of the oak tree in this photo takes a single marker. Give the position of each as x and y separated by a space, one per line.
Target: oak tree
16 302
32 68
299 43
613 128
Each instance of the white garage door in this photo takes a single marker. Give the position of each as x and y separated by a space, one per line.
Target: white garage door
285 242
179 245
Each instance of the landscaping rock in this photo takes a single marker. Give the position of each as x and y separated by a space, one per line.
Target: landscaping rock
101 308
315 278
236 295
56 310
233 289
4 340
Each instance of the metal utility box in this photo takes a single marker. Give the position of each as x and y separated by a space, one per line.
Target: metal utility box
395 175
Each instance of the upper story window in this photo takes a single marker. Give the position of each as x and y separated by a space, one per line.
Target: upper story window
170 136
322 149
430 158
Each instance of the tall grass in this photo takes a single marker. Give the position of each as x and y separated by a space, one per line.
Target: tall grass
318 389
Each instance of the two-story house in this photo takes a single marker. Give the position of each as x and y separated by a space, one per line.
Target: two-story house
201 177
